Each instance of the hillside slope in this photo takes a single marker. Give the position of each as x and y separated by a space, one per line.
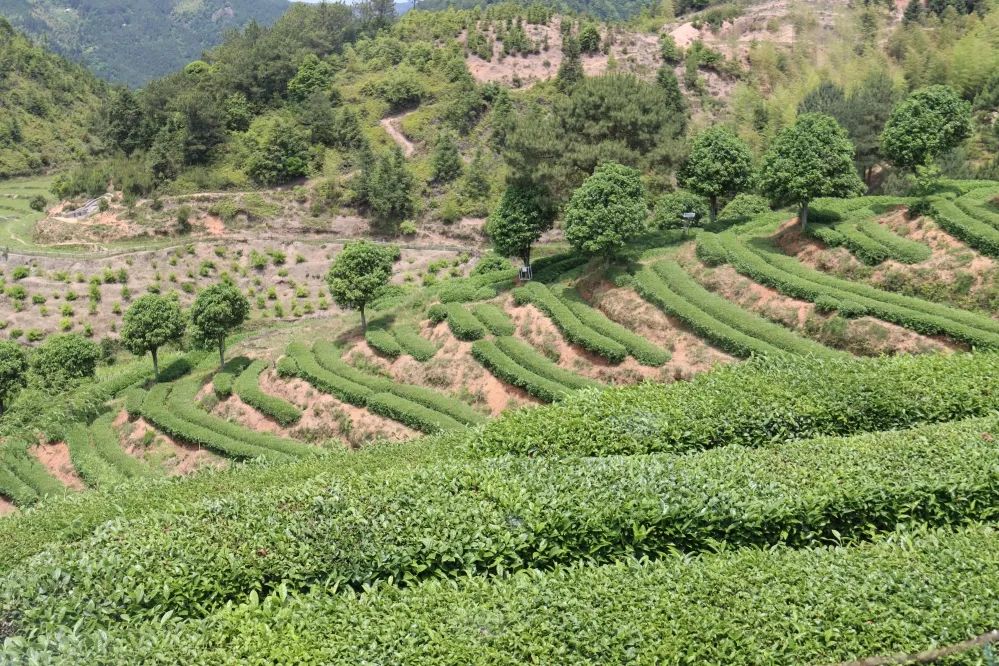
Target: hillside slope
134 41
46 104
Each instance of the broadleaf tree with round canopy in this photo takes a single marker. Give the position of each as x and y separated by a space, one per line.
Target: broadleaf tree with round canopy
216 312
812 158
720 164
607 210
359 273
151 322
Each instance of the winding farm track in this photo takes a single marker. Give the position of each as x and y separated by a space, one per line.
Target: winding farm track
393 125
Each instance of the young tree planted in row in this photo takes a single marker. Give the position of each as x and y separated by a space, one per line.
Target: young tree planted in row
813 158
151 322
720 164
218 311
607 211
358 273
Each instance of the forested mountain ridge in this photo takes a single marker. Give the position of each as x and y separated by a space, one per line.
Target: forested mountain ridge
133 41
46 106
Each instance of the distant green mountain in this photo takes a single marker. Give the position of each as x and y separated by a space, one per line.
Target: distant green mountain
46 106
612 10
134 41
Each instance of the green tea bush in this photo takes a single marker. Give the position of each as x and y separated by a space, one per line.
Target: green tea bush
247 388
766 400
414 344
644 351
222 385
383 342
108 446
527 357
411 414
328 358
495 319
506 369
787 275
978 234
931 588
507 514
463 323
724 323
574 330
95 471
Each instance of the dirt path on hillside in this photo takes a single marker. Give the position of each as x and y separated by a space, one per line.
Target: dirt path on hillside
393 125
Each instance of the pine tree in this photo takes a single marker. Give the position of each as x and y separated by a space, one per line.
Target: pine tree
446 162
571 71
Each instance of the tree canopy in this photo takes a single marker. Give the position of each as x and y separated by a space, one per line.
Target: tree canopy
216 312
359 272
812 158
607 211
518 221
928 123
149 323
720 164
62 360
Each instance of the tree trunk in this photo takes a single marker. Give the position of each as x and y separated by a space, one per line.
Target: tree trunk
156 365
364 321
221 351
714 209
803 215
526 256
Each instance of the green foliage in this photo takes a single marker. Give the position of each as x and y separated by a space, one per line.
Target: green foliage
278 150
63 360
388 188
528 357
495 319
149 38
725 324
359 272
644 351
720 164
764 401
567 511
607 211
409 339
414 406
383 342
490 263
463 324
871 242
745 206
928 123
812 158
13 371
769 592
313 76
151 322
670 208
575 331
48 105
790 277
504 368
247 387
222 384
960 222
446 164
95 471
518 222
218 311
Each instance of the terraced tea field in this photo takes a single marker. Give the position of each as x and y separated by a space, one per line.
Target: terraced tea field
595 433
